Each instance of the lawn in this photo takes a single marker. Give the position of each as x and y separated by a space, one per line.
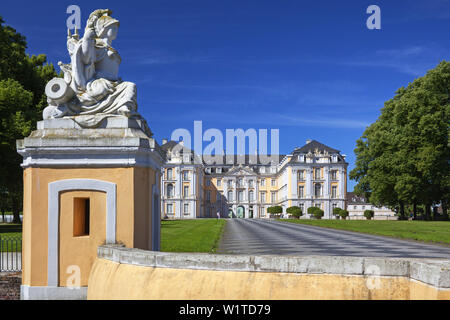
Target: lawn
200 235
426 231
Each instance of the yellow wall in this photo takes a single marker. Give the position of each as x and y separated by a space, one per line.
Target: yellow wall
110 280
133 215
80 250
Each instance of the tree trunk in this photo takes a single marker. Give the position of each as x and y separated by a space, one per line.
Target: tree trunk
428 212
444 209
402 210
15 210
415 210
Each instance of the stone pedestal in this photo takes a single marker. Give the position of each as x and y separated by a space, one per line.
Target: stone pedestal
84 188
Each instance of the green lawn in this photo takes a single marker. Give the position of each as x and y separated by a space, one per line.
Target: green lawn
201 235
427 231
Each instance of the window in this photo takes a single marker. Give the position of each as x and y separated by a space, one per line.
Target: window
355 207
301 206
334 205
301 158
263 182
169 191
334 192
219 182
334 175
218 196
273 182
81 216
300 191
169 174
317 173
273 197
208 182
186 208
230 183
219 170
251 196
241 195
240 183
263 197
208 196
230 196
169 208
334 158
300 175
185 175
317 189
186 191
250 183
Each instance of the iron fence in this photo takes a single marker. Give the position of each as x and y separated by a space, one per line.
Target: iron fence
10 253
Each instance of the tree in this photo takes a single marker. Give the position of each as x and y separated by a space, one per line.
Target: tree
336 212
276 210
316 212
369 214
295 211
344 214
401 159
22 99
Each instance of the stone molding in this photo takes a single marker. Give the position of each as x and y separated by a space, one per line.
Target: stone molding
433 272
54 190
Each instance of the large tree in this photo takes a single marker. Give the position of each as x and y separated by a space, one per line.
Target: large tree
402 158
22 99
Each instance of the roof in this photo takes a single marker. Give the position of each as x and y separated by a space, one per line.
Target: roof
352 198
237 160
313 145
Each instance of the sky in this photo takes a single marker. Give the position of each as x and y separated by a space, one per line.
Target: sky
311 69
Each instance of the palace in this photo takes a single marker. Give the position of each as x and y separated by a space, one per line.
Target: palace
312 175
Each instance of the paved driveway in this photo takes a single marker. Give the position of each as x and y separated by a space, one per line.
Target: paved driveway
274 237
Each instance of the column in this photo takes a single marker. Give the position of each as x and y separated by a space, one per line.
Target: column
294 184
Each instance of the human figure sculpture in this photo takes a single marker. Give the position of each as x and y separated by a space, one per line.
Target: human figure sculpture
91 89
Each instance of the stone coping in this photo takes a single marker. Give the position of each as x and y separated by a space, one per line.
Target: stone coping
434 272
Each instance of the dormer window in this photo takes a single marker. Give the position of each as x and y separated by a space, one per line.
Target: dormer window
301 158
334 158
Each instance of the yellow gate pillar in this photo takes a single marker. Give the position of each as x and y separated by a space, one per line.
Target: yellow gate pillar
84 188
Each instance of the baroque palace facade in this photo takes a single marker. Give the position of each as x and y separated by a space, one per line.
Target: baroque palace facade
312 175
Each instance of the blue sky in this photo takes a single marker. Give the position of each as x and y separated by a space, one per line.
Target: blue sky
311 69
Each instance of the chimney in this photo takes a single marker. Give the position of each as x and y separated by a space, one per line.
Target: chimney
308 141
164 141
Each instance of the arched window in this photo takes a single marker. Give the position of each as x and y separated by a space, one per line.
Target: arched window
169 174
169 191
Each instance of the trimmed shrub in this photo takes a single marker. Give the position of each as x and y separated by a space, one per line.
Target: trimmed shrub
343 214
275 210
295 211
369 214
337 212
316 212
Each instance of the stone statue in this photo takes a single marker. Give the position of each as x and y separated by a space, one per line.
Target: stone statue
91 89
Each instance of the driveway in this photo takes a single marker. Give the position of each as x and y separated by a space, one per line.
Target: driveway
257 236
